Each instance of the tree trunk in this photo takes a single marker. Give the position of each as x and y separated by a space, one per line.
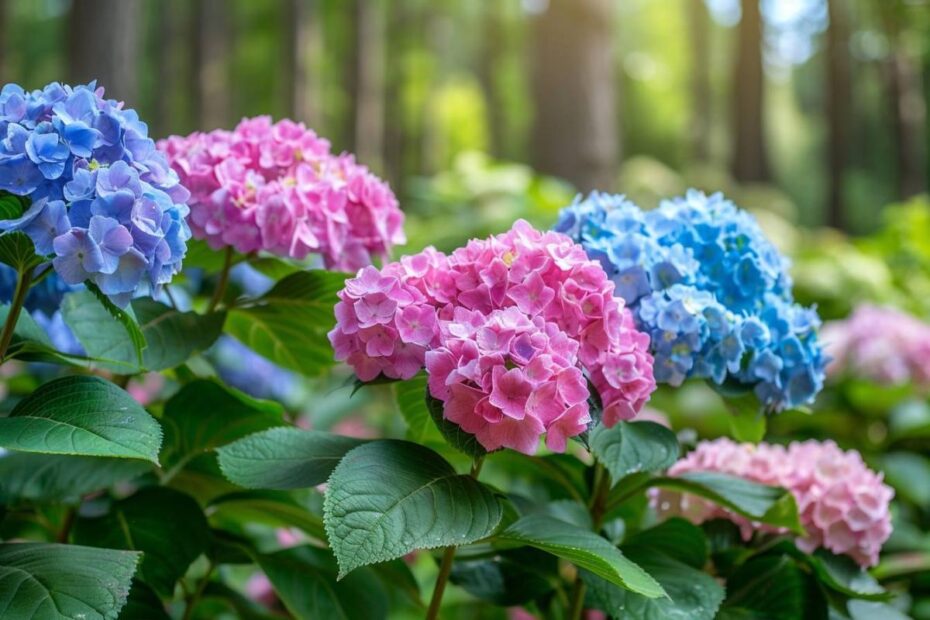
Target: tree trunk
908 111
491 51
367 84
839 94
699 22
104 45
575 131
303 48
168 68
750 162
211 49
5 72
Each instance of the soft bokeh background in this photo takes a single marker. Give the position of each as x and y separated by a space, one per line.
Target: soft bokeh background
811 113
814 108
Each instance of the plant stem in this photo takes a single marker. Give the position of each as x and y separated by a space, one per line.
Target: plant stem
66 526
220 290
194 597
23 282
597 508
445 567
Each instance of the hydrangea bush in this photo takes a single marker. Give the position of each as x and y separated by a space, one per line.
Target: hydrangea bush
276 187
157 450
880 344
101 201
712 292
842 503
508 329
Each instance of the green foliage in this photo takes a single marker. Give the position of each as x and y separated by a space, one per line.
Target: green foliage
304 579
138 523
584 549
204 415
61 478
631 447
283 458
63 582
388 498
288 324
82 416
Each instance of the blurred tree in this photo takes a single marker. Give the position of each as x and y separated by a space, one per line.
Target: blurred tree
366 83
104 44
211 34
699 24
4 55
489 72
169 49
575 132
906 98
839 93
750 161
302 49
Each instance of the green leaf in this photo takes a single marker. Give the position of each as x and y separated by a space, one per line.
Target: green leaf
84 416
452 432
631 447
770 505
204 415
409 396
62 582
125 316
47 478
221 601
166 525
143 603
272 508
17 251
283 458
172 336
769 587
841 573
512 577
387 498
584 549
12 206
748 427
677 538
26 330
289 323
909 474
692 593
304 578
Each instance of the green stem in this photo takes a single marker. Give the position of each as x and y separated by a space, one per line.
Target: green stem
23 282
65 532
194 598
220 290
597 508
445 567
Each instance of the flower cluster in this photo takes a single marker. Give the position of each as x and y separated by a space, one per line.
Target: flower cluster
883 345
842 503
276 187
708 287
104 202
507 329
43 302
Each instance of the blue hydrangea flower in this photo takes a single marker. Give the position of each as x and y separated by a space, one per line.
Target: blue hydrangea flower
105 205
711 291
246 370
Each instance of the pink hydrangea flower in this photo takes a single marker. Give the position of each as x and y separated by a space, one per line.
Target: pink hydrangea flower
880 344
510 330
277 187
842 503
